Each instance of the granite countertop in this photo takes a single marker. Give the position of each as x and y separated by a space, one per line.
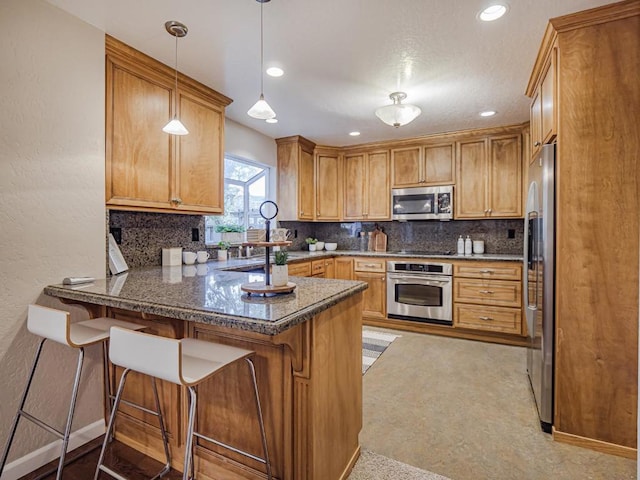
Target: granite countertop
203 293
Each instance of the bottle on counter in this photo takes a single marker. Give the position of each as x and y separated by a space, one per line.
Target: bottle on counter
460 245
370 245
363 242
468 246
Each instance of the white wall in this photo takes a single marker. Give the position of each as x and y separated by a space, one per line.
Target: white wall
52 215
246 143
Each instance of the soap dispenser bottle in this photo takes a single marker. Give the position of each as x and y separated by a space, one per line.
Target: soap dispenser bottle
460 245
468 245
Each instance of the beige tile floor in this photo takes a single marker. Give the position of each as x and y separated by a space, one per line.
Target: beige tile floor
463 409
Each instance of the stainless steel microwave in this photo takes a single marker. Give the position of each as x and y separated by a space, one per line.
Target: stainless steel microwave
422 203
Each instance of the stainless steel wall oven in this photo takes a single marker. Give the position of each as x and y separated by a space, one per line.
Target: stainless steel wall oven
420 292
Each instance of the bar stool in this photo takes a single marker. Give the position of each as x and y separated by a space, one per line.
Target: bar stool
55 325
186 362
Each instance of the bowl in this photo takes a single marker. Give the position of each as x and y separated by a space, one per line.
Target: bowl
319 245
330 246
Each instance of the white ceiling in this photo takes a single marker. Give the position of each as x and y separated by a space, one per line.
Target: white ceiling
342 58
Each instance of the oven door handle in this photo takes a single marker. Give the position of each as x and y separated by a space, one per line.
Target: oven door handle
420 279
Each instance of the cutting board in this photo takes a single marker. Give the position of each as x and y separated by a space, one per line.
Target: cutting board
380 241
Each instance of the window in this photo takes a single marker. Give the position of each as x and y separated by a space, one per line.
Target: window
246 186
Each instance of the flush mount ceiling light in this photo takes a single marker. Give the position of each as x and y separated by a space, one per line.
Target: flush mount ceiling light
175 126
399 113
492 13
275 72
261 110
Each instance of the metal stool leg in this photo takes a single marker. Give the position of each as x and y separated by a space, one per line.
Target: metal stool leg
188 449
252 369
14 427
163 432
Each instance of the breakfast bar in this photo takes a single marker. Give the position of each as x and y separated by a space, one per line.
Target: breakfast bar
308 364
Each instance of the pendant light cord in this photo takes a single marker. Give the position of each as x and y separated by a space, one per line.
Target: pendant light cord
175 99
261 52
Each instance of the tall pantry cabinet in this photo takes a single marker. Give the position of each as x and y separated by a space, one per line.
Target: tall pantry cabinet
585 95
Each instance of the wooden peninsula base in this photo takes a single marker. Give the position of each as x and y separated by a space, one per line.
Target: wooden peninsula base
310 383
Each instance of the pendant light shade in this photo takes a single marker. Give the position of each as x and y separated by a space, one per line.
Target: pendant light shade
261 109
398 113
175 126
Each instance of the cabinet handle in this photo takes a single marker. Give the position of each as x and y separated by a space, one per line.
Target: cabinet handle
371 265
486 271
489 211
301 212
485 318
488 292
536 144
176 201
485 211
382 279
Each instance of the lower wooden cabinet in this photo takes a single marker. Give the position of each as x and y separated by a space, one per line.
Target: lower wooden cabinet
317 268
300 269
373 272
483 317
343 268
329 268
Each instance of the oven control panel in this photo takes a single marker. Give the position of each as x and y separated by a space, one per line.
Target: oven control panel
420 267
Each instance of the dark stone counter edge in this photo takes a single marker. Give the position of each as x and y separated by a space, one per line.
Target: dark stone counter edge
208 317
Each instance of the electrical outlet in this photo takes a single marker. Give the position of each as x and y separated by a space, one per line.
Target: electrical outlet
295 233
117 234
511 233
195 235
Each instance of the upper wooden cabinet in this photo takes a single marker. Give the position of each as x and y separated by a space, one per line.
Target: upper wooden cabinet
543 105
147 169
328 184
489 177
423 165
366 186
296 186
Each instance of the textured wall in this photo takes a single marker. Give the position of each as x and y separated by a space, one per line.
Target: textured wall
52 197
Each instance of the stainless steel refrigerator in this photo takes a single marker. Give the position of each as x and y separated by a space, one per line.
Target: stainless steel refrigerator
539 268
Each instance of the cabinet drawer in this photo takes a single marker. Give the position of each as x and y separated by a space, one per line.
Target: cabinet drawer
369 265
493 319
301 269
317 267
495 292
488 270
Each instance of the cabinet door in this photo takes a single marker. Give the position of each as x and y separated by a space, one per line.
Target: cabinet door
343 268
354 185
536 123
138 154
439 164
505 174
305 185
374 297
329 268
199 178
406 167
548 100
328 190
471 183
377 191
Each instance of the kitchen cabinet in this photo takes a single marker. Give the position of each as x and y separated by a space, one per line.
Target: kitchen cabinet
328 184
543 111
488 296
145 168
597 254
366 186
296 184
329 268
317 268
489 177
373 272
300 269
431 164
343 268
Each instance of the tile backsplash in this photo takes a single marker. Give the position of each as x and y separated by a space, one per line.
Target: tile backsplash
144 235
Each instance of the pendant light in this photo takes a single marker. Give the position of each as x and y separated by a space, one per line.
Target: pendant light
175 126
261 110
398 113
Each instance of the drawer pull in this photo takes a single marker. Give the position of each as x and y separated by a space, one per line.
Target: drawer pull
488 292
371 265
485 318
486 271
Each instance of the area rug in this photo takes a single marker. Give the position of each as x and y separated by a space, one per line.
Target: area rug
373 344
371 466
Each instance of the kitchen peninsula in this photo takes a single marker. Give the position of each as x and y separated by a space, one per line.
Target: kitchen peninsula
308 362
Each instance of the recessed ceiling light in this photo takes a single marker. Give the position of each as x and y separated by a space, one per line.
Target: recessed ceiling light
271 120
492 13
354 134
488 113
275 72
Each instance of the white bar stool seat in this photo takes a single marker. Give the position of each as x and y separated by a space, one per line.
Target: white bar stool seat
56 325
185 362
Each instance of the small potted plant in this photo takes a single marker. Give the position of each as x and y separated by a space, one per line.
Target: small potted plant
223 248
312 243
280 271
231 233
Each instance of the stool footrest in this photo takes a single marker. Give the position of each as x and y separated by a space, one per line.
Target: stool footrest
41 424
139 407
229 447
